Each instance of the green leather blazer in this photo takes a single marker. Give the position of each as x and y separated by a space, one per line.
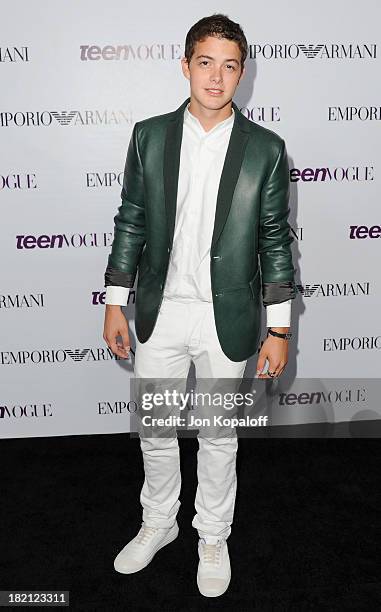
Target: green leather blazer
250 250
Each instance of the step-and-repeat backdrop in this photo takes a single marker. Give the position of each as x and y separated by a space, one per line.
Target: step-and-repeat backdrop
74 78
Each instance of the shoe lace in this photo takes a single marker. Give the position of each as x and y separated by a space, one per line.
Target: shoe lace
145 533
211 552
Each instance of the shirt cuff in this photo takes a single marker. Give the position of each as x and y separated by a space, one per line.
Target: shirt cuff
279 315
118 296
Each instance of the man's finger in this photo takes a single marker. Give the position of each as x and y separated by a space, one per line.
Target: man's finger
126 340
274 369
260 364
117 349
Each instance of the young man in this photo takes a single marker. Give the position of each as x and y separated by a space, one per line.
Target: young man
204 219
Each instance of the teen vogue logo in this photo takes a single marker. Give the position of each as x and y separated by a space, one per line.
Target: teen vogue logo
20 411
128 52
18 181
322 51
59 241
46 118
261 114
99 297
339 174
362 232
329 396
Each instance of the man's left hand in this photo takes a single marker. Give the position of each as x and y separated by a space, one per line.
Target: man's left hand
275 350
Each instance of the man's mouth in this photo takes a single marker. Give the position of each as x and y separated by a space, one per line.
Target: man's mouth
214 91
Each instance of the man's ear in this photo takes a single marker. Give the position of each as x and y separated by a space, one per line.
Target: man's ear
185 67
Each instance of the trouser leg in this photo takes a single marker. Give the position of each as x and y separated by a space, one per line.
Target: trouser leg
216 457
163 356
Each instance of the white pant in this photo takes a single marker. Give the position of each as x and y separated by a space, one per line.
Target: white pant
185 332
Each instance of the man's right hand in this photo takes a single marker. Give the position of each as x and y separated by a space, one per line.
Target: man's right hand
115 325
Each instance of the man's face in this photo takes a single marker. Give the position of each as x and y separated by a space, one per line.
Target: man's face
214 71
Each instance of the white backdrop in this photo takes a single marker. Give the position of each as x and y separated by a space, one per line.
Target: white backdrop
68 103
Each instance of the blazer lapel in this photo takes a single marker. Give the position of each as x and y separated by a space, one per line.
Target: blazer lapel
171 164
230 171
229 175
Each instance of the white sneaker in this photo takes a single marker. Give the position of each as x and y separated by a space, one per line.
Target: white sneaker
139 552
214 573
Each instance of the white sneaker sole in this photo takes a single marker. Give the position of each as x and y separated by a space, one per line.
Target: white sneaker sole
213 593
171 535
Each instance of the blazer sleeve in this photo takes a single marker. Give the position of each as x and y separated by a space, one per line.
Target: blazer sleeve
129 222
274 239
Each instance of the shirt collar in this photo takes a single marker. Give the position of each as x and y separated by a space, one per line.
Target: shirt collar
191 119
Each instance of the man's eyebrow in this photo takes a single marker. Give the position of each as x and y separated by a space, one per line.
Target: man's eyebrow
232 59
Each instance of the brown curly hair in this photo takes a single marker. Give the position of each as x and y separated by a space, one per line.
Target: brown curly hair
218 25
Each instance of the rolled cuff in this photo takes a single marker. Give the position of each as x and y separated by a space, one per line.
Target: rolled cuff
274 293
279 315
116 277
117 295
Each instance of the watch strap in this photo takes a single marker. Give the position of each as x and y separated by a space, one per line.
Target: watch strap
286 336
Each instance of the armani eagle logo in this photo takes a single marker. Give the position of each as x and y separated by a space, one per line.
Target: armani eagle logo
308 290
77 354
311 51
64 117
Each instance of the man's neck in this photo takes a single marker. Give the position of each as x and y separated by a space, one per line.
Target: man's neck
209 117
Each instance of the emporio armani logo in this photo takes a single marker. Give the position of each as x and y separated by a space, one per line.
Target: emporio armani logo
46 118
307 290
324 51
343 289
57 356
91 117
80 354
311 51
64 117
77 354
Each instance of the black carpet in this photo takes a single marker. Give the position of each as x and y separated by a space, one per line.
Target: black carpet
306 534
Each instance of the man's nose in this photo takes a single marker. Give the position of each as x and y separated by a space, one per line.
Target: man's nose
216 76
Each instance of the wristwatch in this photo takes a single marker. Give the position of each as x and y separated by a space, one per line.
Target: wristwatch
286 336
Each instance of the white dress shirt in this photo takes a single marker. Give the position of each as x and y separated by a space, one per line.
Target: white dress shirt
202 157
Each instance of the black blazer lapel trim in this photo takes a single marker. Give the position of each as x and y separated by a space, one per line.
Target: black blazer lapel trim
171 164
230 171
